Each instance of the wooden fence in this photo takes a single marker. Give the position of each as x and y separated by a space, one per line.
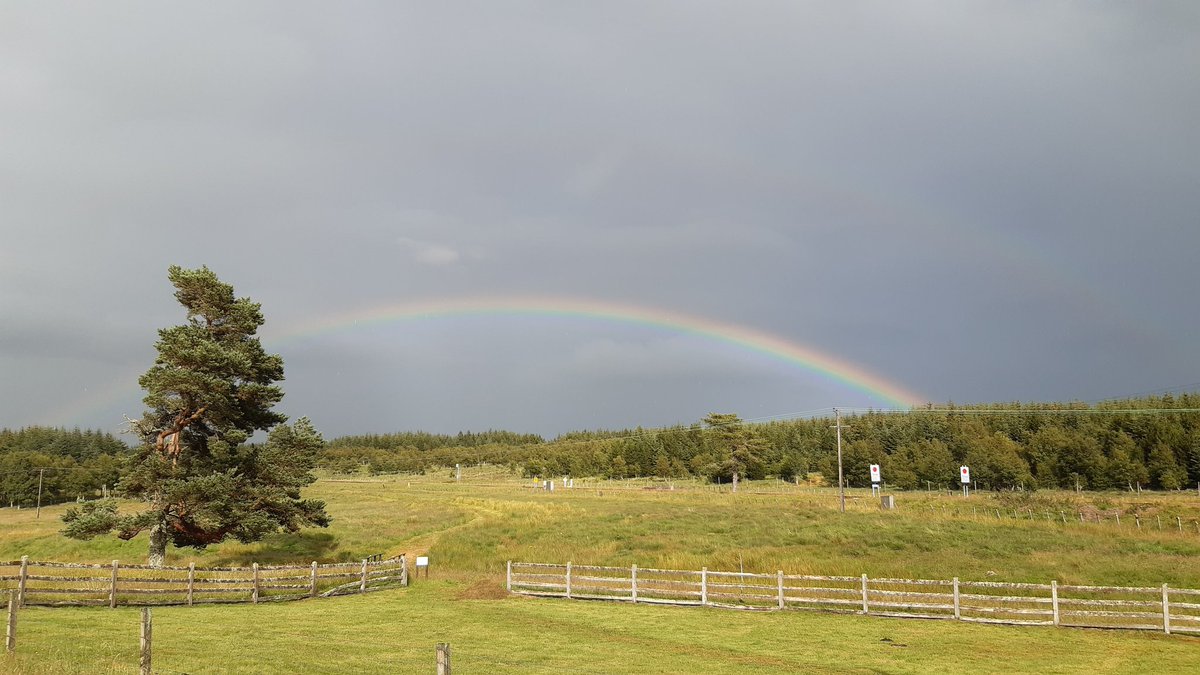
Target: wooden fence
49 583
1158 608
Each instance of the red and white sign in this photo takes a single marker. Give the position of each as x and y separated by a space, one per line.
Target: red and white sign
874 473
964 474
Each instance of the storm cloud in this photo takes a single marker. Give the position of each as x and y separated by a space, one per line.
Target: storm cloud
981 201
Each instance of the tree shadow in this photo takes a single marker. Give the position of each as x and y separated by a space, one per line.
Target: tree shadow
285 548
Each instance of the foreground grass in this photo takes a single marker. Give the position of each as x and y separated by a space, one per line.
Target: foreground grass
395 631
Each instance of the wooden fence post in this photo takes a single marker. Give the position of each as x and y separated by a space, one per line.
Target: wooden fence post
312 580
1054 600
21 580
112 587
866 610
704 586
1166 611
10 632
508 577
633 582
1179 522
362 585
957 606
568 580
403 570
191 581
147 634
254 593
443 658
779 579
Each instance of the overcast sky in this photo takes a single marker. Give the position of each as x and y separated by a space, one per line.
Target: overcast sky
977 201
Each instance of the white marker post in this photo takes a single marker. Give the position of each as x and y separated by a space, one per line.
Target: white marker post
964 476
423 563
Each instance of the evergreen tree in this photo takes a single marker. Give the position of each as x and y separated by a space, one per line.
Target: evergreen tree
738 449
211 387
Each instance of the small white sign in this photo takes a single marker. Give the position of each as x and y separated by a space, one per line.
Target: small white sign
422 561
874 473
964 475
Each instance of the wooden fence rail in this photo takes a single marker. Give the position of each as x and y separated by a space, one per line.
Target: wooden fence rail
51 583
1158 608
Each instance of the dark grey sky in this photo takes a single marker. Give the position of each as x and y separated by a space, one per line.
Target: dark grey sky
979 201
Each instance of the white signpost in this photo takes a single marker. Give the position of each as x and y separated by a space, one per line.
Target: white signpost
423 563
964 477
875 480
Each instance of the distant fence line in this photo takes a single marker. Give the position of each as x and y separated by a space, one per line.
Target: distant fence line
1158 608
52 583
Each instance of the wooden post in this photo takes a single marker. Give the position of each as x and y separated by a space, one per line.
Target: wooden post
41 472
568 580
1081 516
10 632
362 585
866 610
779 579
191 581
633 582
957 608
254 593
508 577
1166 612
1138 520
1179 521
112 587
1064 516
1118 519
443 658
704 586
1054 600
147 629
403 570
1159 519
22 579
312 580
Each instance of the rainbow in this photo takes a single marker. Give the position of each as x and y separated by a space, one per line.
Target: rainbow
831 367
840 371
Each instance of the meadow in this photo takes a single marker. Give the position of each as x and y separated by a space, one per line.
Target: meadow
469 529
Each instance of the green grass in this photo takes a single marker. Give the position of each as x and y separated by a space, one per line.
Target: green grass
395 631
469 529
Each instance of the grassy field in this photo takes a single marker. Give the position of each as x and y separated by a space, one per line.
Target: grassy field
469 529
395 631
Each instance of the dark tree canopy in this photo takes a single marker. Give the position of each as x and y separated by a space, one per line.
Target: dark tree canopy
211 387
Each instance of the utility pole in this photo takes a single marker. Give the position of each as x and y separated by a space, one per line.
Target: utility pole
841 483
41 472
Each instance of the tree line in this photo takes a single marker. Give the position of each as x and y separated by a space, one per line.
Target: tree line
76 464
1151 442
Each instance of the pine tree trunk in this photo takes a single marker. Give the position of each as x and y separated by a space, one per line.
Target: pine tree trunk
158 544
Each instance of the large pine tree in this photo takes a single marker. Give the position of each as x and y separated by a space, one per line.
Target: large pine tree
211 387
